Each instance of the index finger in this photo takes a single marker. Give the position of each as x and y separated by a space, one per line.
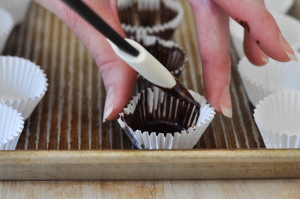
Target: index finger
260 26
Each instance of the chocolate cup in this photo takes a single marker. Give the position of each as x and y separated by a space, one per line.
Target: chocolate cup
156 120
159 18
168 53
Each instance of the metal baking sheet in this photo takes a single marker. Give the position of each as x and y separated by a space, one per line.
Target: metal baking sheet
67 132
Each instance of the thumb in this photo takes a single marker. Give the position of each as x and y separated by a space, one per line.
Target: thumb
119 78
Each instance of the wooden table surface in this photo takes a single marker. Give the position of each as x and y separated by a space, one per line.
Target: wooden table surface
277 188
152 189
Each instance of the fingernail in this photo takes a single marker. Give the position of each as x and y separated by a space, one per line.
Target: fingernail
225 103
109 103
264 57
287 48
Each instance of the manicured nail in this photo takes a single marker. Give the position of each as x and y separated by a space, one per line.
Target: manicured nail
264 57
287 48
225 103
109 103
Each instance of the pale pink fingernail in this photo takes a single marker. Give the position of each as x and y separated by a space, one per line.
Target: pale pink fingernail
264 57
287 48
109 102
225 103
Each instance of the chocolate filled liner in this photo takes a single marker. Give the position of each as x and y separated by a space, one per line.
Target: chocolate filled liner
168 53
157 17
178 124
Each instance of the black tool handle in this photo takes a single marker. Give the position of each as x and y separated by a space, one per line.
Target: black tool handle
97 22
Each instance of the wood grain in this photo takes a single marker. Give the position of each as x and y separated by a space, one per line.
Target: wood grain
150 165
227 189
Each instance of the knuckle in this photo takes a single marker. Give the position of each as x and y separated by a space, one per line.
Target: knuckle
70 18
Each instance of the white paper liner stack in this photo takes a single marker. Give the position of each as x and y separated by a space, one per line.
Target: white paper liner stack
164 30
278 120
274 77
17 8
11 126
156 140
22 84
6 27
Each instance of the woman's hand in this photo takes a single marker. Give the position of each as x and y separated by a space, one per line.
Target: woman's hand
262 39
119 78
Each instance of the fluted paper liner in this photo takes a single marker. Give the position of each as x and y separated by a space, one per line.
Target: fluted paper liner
155 105
274 77
6 27
22 84
17 8
160 18
277 118
168 53
11 126
279 5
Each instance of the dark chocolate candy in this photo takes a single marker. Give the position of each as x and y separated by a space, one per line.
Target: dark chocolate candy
171 115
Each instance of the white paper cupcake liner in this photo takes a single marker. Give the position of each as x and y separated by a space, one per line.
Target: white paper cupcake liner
147 11
22 84
6 27
156 104
274 77
17 8
278 120
279 5
11 126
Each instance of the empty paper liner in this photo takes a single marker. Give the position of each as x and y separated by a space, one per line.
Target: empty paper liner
7 24
22 84
17 8
277 118
259 82
11 126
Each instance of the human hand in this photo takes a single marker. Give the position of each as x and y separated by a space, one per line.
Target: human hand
119 79
262 38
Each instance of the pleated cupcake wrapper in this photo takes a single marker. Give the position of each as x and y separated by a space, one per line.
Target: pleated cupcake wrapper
22 84
158 105
274 77
279 5
147 13
17 8
11 126
5 28
169 53
278 117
